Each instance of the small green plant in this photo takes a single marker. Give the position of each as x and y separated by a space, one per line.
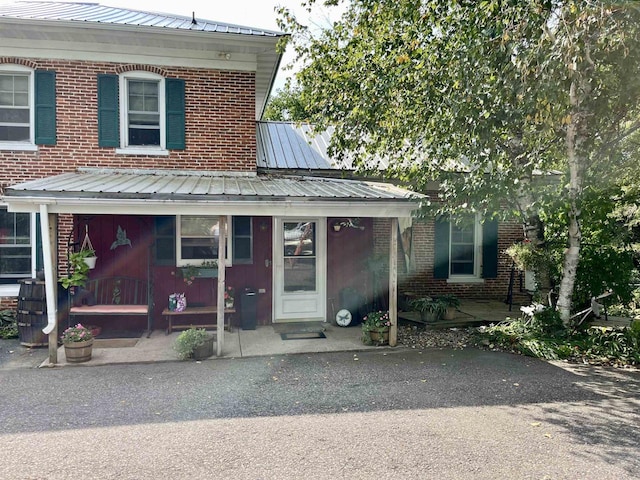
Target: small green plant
375 325
8 324
430 309
188 341
79 270
449 300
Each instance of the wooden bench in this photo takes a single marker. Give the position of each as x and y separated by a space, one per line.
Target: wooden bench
112 296
211 311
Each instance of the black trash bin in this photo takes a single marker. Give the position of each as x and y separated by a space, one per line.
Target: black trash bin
248 309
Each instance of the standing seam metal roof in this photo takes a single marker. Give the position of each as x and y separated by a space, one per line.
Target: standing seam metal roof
96 13
142 184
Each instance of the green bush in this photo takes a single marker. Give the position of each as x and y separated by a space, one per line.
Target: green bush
8 324
542 335
188 341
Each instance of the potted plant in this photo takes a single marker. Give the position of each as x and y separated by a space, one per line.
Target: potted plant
78 269
451 303
194 343
207 269
78 343
229 294
430 309
375 328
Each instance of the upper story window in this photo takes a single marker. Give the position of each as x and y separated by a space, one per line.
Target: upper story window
141 113
27 108
142 124
16 113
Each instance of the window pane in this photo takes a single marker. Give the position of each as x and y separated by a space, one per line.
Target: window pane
143 136
14 115
14 134
241 248
200 237
300 274
15 245
462 269
299 239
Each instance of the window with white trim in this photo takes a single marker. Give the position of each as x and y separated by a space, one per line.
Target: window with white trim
17 246
198 239
142 107
16 106
465 248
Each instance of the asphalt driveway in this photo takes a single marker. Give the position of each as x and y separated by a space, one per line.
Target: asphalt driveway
376 414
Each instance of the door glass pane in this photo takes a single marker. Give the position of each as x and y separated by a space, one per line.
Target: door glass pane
299 257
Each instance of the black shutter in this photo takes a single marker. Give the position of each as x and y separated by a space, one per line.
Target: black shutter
490 249
108 121
441 248
45 107
174 90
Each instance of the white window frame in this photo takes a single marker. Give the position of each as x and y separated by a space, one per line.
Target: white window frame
29 145
180 262
125 148
476 277
13 289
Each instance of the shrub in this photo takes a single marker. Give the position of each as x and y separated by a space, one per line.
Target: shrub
8 324
188 341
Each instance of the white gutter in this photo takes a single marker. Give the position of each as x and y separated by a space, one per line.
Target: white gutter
48 270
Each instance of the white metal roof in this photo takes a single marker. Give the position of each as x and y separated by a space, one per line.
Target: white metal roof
90 12
214 193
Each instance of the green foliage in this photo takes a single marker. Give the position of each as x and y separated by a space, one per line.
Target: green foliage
79 270
543 336
449 300
286 105
500 91
435 306
188 341
8 324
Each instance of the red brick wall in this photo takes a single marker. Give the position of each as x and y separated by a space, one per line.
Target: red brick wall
420 280
219 116
220 123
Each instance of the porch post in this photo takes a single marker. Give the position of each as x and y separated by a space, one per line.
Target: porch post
48 231
393 283
222 270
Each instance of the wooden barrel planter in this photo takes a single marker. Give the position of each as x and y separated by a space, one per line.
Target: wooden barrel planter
77 352
32 313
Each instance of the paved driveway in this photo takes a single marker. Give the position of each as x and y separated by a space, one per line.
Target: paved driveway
375 414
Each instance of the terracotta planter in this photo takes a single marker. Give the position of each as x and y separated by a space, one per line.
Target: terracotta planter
77 352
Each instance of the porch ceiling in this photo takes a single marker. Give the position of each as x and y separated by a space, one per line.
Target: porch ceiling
167 192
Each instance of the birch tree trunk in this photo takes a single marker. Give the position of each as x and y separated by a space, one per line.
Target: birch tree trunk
575 136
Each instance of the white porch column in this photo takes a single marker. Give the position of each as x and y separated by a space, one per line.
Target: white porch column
48 231
222 270
393 283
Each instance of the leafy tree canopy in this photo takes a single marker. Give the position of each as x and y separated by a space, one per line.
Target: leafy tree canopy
506 91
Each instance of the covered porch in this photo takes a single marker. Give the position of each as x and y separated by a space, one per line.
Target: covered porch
213 194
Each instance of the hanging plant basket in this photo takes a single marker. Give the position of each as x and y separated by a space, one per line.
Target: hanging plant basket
88 250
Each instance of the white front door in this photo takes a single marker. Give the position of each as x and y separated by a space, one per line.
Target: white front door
300 265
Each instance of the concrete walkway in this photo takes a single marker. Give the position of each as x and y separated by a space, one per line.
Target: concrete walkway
264 340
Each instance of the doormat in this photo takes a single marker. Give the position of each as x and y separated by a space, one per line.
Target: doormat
104 334
302 335
115 342
298 327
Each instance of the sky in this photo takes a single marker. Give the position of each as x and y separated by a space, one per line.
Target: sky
251 13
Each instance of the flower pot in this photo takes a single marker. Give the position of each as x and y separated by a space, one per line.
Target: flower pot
207 273
77 352
228 304
91 262
205 350
428 317
450 313
379 337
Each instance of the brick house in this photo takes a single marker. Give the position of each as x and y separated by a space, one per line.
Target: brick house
142 130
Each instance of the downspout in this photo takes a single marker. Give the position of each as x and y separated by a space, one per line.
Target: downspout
49 283
393 283
222 271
